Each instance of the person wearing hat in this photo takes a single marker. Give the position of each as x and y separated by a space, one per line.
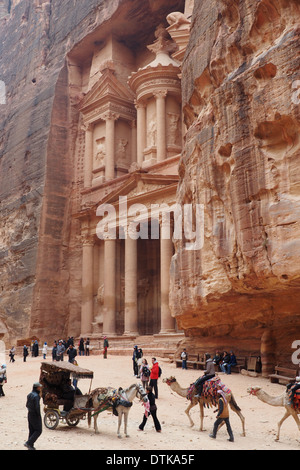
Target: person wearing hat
223 415
34 416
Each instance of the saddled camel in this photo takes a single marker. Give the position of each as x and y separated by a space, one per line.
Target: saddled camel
281 400
208 401
102 399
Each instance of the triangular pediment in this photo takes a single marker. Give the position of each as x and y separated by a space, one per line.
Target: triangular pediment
107 89
142 186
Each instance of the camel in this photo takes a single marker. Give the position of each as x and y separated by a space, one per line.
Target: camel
174 385
105 396
281 400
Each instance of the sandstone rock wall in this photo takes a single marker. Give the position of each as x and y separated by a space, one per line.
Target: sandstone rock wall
241 161
36 171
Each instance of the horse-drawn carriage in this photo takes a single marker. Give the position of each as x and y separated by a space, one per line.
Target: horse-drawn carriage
59 392
63 401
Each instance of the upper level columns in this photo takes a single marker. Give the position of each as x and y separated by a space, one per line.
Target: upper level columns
88 156
141 131
161 143
110 119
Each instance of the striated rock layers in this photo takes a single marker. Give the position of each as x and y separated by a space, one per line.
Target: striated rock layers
40 180
241 161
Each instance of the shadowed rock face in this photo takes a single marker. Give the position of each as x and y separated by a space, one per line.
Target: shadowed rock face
38 128
241 161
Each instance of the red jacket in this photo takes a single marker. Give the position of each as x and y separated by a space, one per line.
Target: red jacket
154 371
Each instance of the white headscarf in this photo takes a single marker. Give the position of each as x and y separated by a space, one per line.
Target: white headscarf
223 396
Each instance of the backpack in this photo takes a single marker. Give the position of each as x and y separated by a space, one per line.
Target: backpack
146 371
159 372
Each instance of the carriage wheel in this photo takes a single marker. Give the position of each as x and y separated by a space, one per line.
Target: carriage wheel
51 419
72 421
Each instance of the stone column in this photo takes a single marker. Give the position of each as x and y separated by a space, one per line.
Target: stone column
131 311
161 143
166 253
133 142
88 156
110 119
109 316
87 285
141 131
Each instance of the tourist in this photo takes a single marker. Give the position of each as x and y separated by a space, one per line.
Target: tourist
35 349
54 349
87 347
209 373
228 362
34 416
217 358
154 375
81 347
134 360
223 415
225 361
105 347
72 353
45 350
3 379
25 352
145 373
184 358
152 412
12 353
60 350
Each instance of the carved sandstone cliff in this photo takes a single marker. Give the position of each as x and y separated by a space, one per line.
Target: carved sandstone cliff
241 161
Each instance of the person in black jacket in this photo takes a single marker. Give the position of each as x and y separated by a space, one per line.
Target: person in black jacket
72 353
153 409
34 416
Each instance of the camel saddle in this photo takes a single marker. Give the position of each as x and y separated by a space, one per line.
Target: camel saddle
296 400
209 391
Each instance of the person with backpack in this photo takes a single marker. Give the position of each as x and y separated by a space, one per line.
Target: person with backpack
155 374
145 373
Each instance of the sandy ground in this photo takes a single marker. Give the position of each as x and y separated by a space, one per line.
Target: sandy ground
261 419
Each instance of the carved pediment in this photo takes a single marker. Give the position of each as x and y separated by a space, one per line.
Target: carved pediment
142 186
107 90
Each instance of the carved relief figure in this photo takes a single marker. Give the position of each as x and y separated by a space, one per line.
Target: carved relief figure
173 120
122 151
100 156
152 133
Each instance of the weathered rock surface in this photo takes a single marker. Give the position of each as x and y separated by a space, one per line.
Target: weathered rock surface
40 253
241 161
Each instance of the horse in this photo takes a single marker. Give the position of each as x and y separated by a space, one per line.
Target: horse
103 398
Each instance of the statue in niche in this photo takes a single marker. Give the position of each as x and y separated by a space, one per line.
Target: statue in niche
100 295
100 156
121 151
173 120
152 133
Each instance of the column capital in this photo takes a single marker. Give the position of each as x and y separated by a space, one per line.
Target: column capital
160 94
87 126
110 116
140 104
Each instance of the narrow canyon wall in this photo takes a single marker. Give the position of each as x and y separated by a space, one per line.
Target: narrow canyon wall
241 161
36 170
41 148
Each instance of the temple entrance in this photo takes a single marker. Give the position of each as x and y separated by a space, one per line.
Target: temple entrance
149 299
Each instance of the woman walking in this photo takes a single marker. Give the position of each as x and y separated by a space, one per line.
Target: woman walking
153 410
